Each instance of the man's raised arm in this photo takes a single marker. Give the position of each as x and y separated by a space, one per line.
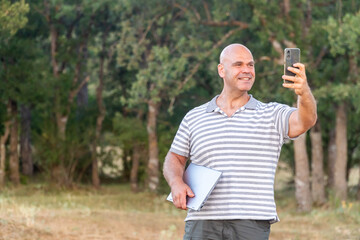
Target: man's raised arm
305 116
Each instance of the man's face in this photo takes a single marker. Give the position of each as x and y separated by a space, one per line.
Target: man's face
237 68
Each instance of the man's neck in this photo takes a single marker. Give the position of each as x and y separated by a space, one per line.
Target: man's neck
230 102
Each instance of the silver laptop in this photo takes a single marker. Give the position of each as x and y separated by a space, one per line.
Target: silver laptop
202 180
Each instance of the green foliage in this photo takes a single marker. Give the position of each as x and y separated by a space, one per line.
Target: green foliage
128 131
344 36
12 17
162 72
74 151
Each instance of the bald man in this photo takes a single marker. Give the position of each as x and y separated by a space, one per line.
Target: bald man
242 137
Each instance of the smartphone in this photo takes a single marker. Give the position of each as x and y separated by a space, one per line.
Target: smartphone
291 56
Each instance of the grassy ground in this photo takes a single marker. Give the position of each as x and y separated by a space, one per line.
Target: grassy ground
39 211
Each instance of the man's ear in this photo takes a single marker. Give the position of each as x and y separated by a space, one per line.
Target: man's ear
221 70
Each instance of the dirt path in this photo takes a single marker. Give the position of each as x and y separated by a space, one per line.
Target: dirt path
77 225
118 225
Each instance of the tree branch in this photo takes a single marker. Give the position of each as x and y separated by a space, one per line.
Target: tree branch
73 24
320 56
206 7
46 12
54 38
148 28
74 92
240 24
278 48
196 13
209 21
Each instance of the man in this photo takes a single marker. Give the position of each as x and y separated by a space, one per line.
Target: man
241 137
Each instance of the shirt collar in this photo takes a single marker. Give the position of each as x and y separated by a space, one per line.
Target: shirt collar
251 104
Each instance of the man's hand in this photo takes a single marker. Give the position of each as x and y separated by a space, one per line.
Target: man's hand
179 192
174 166
299 84
305 116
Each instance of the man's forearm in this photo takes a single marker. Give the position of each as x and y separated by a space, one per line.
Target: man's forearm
307 109
173 169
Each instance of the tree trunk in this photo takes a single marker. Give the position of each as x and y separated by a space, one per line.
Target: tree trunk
340 183
99 120
3 141
82 98
95 167
14 142
25 141
331 159
61 122
358 190
153 163
135 167
317 158
286 7
3 153
302 181
58 171
101 115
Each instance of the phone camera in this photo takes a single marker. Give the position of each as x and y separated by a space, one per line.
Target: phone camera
288 54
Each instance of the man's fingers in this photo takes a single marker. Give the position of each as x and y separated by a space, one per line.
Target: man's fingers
180 201
294 70
297 82
289 78
291 85
300 66
180 193
183 205
190 193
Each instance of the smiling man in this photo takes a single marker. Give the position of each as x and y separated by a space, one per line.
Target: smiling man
242 137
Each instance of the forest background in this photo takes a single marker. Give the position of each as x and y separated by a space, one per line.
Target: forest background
92 92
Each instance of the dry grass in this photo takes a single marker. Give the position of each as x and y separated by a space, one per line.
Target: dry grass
40 212
114 212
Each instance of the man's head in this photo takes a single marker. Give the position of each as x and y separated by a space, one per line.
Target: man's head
237 68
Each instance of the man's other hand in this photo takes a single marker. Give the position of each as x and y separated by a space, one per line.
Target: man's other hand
179 192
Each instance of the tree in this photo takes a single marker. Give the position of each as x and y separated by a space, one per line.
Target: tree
302 177
14 139
317 159
343 39
71 27
106 23
25 141
12 18
3 140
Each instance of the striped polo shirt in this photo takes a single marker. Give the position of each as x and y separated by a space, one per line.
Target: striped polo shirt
245 148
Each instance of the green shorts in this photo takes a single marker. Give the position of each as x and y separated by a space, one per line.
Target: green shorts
227 229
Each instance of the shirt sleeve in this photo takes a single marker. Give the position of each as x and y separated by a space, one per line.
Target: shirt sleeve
181 142
281 120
